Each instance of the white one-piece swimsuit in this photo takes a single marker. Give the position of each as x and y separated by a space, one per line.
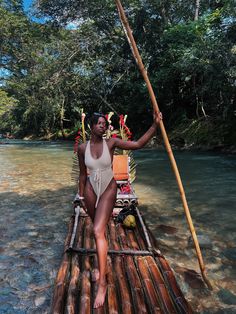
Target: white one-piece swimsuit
100 171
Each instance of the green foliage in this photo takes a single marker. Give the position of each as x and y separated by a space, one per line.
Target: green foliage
6 107
81 58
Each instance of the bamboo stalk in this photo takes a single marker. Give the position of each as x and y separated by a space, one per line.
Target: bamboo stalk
85 300
132 240
164 298
83 128
69 234
88 238
177 294
77 212
85 296
150 239
72 293
111 288
59 294
153 301
149 245
84 251
148 284
79 235
143 71
125 299
139 236
162 291
148 287
133 278
60 286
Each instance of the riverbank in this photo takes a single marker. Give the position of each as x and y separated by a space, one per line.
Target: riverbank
182 146
154 143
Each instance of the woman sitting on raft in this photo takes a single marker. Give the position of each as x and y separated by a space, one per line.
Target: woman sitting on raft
97 194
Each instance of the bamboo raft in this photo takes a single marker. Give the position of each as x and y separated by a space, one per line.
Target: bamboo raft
139 278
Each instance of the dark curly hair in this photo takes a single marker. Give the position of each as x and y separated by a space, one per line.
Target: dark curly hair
94 119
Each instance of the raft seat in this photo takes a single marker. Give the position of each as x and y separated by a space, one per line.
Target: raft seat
125 192
121 168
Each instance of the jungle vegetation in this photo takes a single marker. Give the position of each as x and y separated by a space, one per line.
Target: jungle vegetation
78 57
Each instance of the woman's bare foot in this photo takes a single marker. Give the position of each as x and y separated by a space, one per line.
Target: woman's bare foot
101 294
95 274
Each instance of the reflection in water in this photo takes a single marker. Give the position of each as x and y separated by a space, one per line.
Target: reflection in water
36 193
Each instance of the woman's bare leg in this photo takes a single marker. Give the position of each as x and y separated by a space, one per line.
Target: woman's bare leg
90 199
102 216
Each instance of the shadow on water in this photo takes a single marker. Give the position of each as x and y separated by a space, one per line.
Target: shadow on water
32 232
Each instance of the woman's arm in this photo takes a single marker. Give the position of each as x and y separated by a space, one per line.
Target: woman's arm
83 170
142 141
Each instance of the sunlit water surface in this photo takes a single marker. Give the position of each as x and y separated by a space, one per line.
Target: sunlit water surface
36 191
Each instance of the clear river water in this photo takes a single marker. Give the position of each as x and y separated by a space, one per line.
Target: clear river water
36 193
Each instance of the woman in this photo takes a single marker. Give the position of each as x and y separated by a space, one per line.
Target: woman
97 194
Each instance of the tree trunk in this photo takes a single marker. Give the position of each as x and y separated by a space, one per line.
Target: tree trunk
197 5
62 111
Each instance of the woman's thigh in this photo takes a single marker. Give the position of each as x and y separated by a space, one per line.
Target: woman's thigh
105 205
90 199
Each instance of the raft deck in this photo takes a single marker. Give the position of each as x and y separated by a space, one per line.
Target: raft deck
139 278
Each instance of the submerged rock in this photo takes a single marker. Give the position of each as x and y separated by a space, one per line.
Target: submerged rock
227 297
193 278
167 229
230 253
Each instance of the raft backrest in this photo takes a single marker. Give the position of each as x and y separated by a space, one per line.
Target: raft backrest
121 167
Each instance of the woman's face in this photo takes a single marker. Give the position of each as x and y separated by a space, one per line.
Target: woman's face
101 127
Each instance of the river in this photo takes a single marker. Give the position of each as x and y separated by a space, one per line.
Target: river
36 192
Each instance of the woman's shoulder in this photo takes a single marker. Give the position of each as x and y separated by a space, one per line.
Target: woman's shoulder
110 141
82 147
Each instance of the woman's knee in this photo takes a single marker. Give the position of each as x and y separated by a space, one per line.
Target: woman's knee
98 232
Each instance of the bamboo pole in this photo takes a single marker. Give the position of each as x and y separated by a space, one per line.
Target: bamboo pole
148 286
83 128
144 229
86 301
134 280
125 297
77 212
163 294
168 275
151 286
69 234
72 293
112 297
143 71
84 251
59 294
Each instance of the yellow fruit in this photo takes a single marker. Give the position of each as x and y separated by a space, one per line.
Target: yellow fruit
129 221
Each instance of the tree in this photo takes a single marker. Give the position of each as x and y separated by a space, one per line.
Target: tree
80 58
